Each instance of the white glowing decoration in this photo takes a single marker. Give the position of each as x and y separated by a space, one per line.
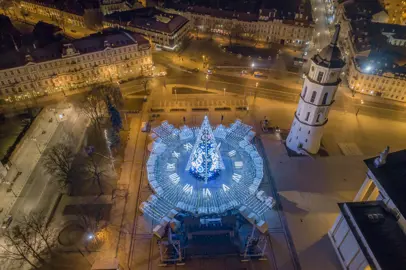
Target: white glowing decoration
175 154
237 177
174 178
205 161
188 146
206 193
225 188
238 164
232 153
170 166
188 189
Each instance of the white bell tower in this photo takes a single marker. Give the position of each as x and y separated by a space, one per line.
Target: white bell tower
317 96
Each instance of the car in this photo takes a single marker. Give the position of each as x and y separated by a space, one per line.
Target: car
195 70
6 222
209 71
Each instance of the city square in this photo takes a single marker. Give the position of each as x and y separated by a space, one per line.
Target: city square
228 135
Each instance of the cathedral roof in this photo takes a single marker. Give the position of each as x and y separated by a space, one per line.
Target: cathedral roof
330 56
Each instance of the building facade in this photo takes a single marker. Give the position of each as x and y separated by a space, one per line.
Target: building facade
268 25
371 230
109 56
72 14
110 6
375 50
164 30
319 89
367 76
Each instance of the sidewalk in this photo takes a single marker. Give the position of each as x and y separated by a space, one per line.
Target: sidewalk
125 203
309 190
25 158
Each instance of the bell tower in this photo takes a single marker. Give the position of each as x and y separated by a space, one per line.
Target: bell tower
317 96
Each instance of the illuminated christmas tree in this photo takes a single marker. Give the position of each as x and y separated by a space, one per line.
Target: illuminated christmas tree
205 161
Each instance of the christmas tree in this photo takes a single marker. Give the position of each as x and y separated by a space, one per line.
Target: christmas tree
205 162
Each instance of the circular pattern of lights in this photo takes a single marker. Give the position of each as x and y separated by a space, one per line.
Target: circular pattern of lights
205 170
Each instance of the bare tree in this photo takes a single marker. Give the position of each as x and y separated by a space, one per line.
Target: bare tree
36 222
24 244
58 161
94 107
108 92
13 250
95 173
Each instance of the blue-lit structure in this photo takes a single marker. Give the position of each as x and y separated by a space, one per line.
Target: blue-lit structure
205 161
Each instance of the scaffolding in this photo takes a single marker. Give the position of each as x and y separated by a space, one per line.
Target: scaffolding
170 251
254 247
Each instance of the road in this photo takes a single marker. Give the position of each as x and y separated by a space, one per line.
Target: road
277 89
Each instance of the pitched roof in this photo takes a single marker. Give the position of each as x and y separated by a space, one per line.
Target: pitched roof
149 19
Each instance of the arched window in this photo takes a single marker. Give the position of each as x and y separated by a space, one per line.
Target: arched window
304 92
307 116
313 96
318 118
325 99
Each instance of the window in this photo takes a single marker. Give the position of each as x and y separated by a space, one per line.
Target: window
313 96
318 118
325 99
313 68
307 116
320 76
304 92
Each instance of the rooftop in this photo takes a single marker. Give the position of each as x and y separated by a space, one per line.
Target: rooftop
330 56
72 6
52 51
383 236
248 10
392 177
361 9
149 19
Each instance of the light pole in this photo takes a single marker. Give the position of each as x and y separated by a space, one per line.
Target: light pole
224 91
256 90
176 96
252 66
207 81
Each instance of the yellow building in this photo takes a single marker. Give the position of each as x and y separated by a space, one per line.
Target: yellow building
109 56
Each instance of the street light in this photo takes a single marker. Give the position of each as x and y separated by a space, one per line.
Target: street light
90 236
224 90
207 81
